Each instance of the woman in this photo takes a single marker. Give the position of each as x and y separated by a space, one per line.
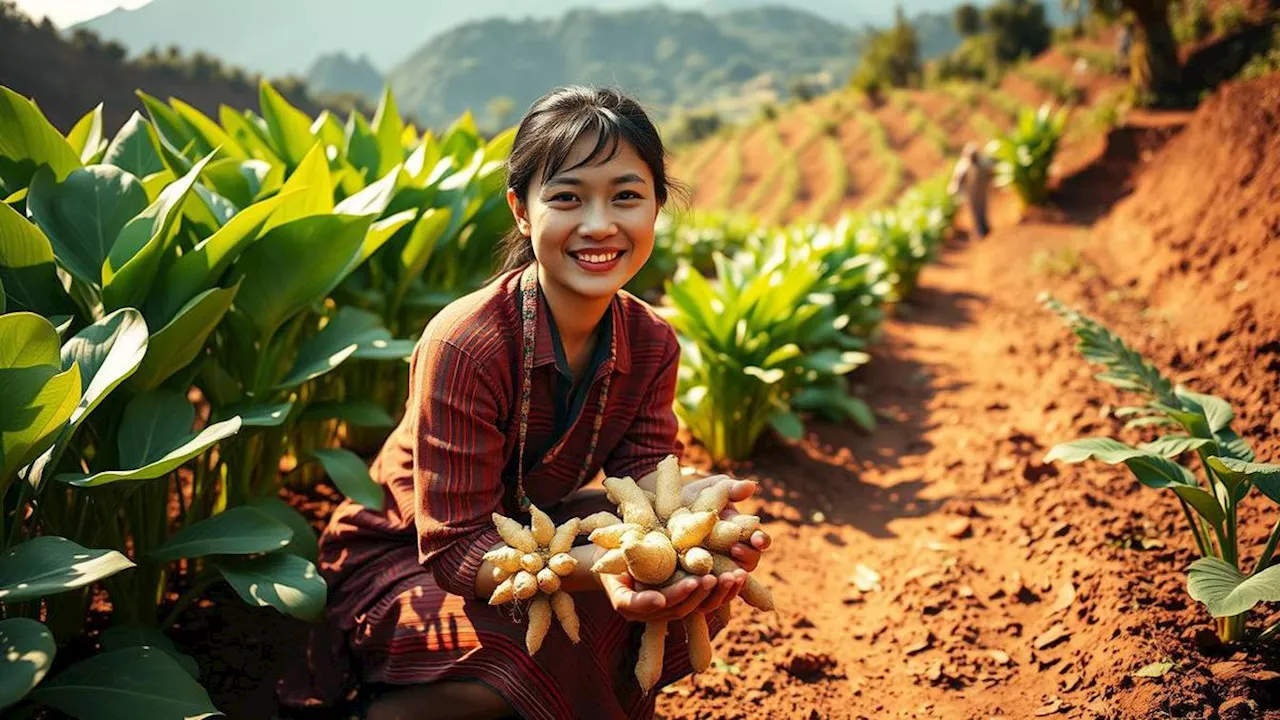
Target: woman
522 392
972 176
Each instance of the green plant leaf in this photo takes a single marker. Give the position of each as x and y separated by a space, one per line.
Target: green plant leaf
119 637
130 267
1232 445
83 215
330 347
85 137
788 425
1216 410
288 127
1265 477
260 415
418 249
387 128
1150 469
304 542
107 353
203 127
360 413
30 141
275 286
308 191
236 531
379 233
131 149
177 344
155 438
1204 503
36 396
1226 591
48 565
280 580
171 129
198 270
27 271
1171 446
27 649
350 473
127 684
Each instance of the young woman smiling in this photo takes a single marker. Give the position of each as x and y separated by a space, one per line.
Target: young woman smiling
522 392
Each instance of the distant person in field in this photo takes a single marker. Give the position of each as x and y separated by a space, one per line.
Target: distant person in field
522 392
1124 46
972 178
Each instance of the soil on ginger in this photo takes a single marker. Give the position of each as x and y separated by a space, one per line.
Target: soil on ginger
936 568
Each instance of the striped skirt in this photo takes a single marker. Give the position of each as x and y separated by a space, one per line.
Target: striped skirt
389 624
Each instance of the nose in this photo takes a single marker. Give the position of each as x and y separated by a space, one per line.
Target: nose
596 223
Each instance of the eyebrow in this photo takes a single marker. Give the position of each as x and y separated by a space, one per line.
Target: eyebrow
573 181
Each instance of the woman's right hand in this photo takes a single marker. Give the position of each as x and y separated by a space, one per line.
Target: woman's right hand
692 594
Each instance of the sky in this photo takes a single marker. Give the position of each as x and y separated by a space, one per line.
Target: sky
70 12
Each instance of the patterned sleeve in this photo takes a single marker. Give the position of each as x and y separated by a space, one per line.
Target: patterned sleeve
652 435
457 459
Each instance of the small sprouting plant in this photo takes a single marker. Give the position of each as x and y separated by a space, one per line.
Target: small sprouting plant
1200 424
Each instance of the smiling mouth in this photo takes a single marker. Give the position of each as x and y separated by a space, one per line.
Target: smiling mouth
597 257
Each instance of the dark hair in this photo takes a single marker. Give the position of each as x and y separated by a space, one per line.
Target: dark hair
548 132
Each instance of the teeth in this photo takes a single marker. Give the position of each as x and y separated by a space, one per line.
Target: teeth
598 257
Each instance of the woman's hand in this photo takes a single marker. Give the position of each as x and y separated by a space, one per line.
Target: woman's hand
704 594
745 554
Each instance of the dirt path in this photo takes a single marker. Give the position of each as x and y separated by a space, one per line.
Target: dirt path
935 568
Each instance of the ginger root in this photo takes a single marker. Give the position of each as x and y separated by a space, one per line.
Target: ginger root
658 539
530 567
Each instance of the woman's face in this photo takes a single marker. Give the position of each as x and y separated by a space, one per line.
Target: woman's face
592 227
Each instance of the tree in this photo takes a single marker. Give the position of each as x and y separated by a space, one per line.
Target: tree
891 58
1019 27
1154 67
968 20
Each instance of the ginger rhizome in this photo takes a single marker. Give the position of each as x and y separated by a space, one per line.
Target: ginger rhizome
530 566
660 540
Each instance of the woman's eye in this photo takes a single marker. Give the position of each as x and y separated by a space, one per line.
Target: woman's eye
563 197
628 195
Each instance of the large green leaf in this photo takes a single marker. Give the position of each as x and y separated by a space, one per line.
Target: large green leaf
309 191
341 337
237 531
83 215
276 285
118 637
1226 591
350 473
28 142
280 580
107 353
387 128
304 543
260 415
127 684
36 397
288 127
1171 446
48 565
1216 410
362 146
210 134
172 130
86 136
422 243
1235 472
130 268
1204 503
199 269
1150 469
379 233
27 270
155 437
178 343
131 149
26 654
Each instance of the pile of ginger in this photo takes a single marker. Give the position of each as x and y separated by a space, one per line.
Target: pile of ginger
659 540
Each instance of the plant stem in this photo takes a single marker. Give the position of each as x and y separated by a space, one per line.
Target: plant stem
191 595
1205 550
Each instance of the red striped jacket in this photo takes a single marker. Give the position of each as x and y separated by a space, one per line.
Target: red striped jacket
452 460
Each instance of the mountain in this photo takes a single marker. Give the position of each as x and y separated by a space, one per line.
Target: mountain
337 74
666 57
278 37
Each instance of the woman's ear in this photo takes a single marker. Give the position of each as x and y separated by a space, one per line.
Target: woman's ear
519 212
